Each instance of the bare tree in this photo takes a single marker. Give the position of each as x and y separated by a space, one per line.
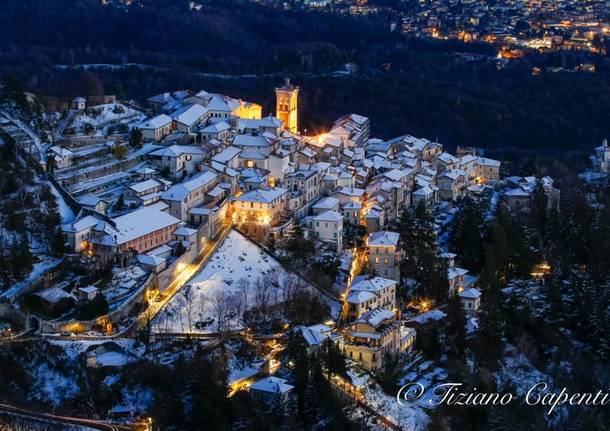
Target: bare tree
221 307
262 295
187 294
272 279
243 287
290 282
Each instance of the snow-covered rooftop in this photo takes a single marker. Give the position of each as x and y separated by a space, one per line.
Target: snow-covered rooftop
383 238
272 384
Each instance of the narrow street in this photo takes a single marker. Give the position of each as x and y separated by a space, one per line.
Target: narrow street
191 270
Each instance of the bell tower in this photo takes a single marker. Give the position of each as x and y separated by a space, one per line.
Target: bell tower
287 105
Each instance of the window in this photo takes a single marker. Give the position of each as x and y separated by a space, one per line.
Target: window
386 261
376 259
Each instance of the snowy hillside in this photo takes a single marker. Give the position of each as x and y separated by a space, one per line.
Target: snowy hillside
240 274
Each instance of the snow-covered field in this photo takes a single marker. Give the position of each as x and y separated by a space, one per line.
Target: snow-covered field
52 386
113 113
239 273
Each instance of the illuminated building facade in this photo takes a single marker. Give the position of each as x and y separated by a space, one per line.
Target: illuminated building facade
286 105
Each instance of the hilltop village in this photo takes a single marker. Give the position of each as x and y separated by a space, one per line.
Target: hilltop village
201 217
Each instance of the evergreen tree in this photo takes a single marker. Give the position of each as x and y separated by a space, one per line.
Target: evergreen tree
207 391
390 374
21 258
276 410
135 138
420 255
120 203
489 335
295 355
466 240
556 311
309 411
12 92
539 205
332 358
88 310
455 330
298 248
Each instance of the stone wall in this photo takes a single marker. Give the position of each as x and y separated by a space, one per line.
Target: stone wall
165 277
79 326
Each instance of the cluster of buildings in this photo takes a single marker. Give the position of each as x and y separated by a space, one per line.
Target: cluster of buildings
209 160
515 25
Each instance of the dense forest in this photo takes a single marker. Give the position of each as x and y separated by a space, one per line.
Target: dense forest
425 88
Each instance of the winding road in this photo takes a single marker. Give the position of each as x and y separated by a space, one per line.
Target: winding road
98 425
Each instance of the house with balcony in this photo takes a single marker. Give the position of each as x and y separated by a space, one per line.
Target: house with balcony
371 336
